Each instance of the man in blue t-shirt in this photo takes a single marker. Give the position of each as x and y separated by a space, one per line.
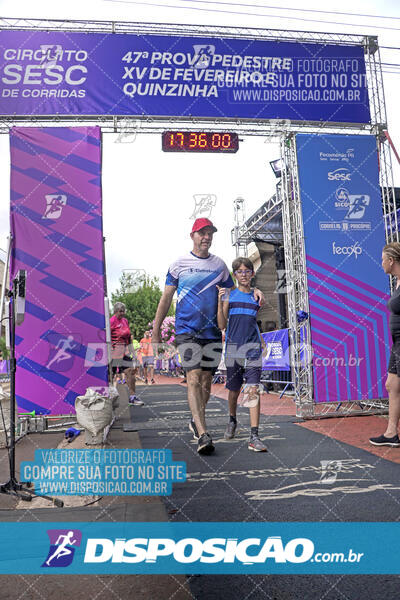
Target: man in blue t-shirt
195 277
237 310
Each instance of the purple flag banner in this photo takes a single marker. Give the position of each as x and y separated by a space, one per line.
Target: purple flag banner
56 223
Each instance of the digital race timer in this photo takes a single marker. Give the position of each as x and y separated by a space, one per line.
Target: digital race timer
199 141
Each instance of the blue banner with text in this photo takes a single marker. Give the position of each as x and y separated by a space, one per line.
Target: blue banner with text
67 73
198 548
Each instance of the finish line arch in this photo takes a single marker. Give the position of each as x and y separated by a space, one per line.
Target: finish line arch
225 78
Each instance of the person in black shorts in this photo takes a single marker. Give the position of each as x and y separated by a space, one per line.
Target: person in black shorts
391 266
237 310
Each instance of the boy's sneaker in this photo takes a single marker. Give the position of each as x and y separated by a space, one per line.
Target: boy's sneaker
152 381
381 440
193 429
135 401
205 445
256 444
230 430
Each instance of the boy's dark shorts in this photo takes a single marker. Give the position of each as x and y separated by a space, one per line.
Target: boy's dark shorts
237 373
199 353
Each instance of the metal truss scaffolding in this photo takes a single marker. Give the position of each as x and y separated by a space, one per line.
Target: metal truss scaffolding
296 277
301 354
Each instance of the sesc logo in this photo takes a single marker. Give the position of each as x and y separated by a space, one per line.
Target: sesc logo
354 250
191 550
341 174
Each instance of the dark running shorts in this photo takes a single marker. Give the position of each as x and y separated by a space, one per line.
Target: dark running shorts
196 353
121 364
236 374
394 360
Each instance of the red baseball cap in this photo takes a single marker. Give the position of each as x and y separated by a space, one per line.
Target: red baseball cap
200 223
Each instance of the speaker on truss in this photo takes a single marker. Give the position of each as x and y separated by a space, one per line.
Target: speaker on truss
20 297
7 324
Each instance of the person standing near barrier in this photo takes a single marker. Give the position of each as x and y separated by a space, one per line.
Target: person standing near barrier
237 312
121 340
391 266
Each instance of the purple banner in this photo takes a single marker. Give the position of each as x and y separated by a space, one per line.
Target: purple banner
276 358
56 223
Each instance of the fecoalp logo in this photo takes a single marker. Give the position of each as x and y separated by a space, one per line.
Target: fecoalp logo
354 250
62 547
341 174
192 550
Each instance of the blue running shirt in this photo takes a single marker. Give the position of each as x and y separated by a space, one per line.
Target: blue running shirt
242 326
196 279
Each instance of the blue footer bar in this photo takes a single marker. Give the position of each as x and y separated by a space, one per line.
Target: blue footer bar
199 548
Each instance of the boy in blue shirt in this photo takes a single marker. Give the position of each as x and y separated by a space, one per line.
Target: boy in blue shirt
237 310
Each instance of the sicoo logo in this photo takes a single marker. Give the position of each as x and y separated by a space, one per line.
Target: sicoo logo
62 547
341 174
190 550
355 249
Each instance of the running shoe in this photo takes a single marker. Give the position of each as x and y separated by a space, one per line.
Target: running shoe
205 445
381 440
152 381
256 444
135 401
193 429
230 430
146 381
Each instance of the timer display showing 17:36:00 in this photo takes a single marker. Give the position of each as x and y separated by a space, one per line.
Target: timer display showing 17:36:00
199 141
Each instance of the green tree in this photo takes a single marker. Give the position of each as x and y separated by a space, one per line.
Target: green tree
141 296
3 349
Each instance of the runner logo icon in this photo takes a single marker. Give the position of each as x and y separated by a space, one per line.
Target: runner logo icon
203 55
62 547
54 205
357 206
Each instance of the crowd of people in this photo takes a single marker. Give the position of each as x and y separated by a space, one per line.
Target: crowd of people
133 360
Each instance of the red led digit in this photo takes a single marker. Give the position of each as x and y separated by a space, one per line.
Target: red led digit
226 140
193 140
202 140
216 140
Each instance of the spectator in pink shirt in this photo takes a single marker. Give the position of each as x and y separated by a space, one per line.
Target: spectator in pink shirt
121 351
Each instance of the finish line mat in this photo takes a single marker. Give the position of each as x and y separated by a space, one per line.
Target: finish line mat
304 476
